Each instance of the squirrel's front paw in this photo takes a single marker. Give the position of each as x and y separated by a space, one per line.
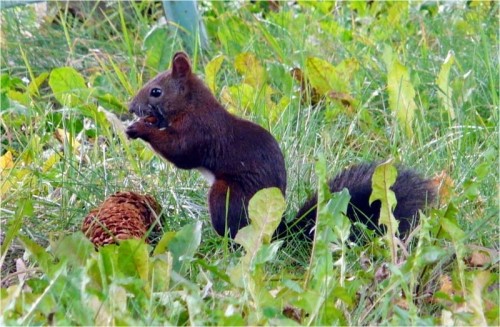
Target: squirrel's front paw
137 129
144 127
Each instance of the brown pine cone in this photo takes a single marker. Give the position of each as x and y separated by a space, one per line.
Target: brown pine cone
122 216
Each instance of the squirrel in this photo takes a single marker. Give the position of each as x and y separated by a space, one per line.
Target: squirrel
183 121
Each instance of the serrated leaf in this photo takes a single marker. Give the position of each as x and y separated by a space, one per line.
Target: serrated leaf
443 84
331 211
253 73
383 178
68 86
457 235
211 70
401 92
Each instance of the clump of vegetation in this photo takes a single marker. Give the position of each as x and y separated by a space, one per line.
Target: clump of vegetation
335 83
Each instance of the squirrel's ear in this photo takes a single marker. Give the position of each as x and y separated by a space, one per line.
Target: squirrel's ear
181 65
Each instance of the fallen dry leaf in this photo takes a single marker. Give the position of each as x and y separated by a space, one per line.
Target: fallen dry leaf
478 259
446 285
402 302
444 186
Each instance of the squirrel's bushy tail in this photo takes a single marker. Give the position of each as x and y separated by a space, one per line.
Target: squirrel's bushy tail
413 193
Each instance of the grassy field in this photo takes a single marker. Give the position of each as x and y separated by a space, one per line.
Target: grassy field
416 83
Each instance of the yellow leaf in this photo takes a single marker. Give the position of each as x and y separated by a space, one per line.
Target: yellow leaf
51 161
320 73
211 70
383 178
479 259
10 178
446 285
65 138
442 81
6 161
238 97
444 185
401 92
248 65
5 186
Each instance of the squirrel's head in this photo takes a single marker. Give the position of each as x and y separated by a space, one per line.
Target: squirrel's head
168 91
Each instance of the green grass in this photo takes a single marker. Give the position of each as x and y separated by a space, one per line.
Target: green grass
45 200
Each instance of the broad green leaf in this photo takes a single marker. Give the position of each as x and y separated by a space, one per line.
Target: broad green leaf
248 237
158 52
162 245
443 83
184 245
20 97
110 101
133 258
249 66
33 87
75 248
160 272
68 86
40 256
265 210
267 252
107 265
401 92
211 70
383 178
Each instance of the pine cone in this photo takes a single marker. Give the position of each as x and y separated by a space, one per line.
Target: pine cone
122 216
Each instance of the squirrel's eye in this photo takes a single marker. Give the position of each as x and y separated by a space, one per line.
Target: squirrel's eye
155 93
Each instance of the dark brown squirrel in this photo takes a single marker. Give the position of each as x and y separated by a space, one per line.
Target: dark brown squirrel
183 121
